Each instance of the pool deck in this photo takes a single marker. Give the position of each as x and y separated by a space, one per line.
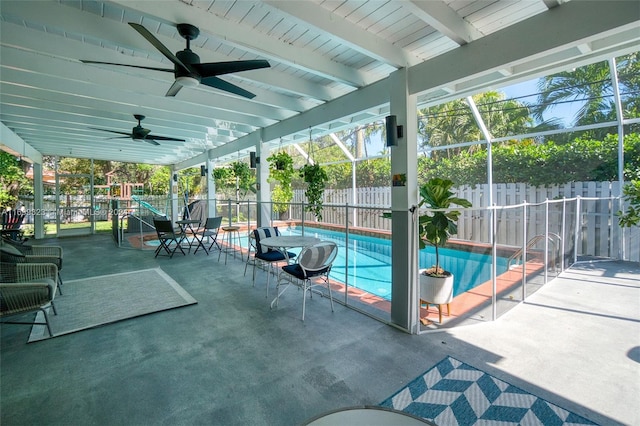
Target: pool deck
231 360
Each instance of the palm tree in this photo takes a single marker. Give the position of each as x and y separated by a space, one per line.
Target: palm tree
447 124
453 122
592 86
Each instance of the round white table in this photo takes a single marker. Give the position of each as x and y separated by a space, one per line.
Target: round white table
284 242
367 416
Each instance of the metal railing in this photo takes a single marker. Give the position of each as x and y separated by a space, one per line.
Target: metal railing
564 222
554 239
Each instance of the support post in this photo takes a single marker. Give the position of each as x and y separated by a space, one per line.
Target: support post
263 189
404 195
211 190
38 197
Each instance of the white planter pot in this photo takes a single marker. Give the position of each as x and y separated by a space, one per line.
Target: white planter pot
436 291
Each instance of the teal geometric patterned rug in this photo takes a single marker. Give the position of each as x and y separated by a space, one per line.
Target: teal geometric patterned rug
454 393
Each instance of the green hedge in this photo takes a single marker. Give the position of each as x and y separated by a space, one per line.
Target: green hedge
540 164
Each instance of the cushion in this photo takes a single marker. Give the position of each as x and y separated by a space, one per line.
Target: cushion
265 232
297 271
273 256
7 248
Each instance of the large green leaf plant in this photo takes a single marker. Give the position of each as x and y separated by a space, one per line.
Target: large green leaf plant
437 225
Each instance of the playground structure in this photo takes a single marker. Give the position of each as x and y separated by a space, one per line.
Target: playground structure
123 191
139 229
132 213
129 213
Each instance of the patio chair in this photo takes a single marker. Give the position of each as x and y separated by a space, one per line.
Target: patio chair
167 236
11 223
12 251
27 287
210 232
267 257
314 262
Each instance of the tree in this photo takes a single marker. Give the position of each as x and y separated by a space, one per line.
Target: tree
159 180
245 179
358 139
13 180
452 123
592 85
447 124
224 180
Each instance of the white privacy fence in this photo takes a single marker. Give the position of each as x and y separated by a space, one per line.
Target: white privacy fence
584 214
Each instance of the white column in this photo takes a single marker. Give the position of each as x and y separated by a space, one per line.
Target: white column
38 196
211 190
263 195
173 193
404 251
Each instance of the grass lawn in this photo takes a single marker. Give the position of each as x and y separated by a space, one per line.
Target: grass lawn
50 228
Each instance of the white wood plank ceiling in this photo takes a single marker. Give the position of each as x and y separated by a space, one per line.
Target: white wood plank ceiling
330 61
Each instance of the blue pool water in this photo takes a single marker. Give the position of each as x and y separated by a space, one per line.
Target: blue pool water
370 262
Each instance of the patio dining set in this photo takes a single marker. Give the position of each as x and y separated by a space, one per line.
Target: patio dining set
267 249
30 273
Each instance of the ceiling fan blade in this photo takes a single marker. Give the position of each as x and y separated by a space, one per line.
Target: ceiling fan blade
163 138
126 65
226 86
127 134
174 89
150 140
158 45
218 68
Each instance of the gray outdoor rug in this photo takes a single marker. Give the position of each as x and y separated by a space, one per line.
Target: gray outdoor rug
95 301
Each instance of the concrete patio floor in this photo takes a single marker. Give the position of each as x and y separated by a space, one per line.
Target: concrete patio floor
231 360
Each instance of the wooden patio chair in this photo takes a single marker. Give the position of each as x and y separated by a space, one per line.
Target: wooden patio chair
11 224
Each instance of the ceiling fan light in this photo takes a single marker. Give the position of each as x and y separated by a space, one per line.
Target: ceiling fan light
186 81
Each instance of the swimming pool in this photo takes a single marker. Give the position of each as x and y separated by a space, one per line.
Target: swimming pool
370 262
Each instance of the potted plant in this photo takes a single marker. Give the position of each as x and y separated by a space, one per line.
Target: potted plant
280 160
316 178
435 227
281 171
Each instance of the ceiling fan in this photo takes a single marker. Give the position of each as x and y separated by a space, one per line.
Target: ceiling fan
139 133
188 70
